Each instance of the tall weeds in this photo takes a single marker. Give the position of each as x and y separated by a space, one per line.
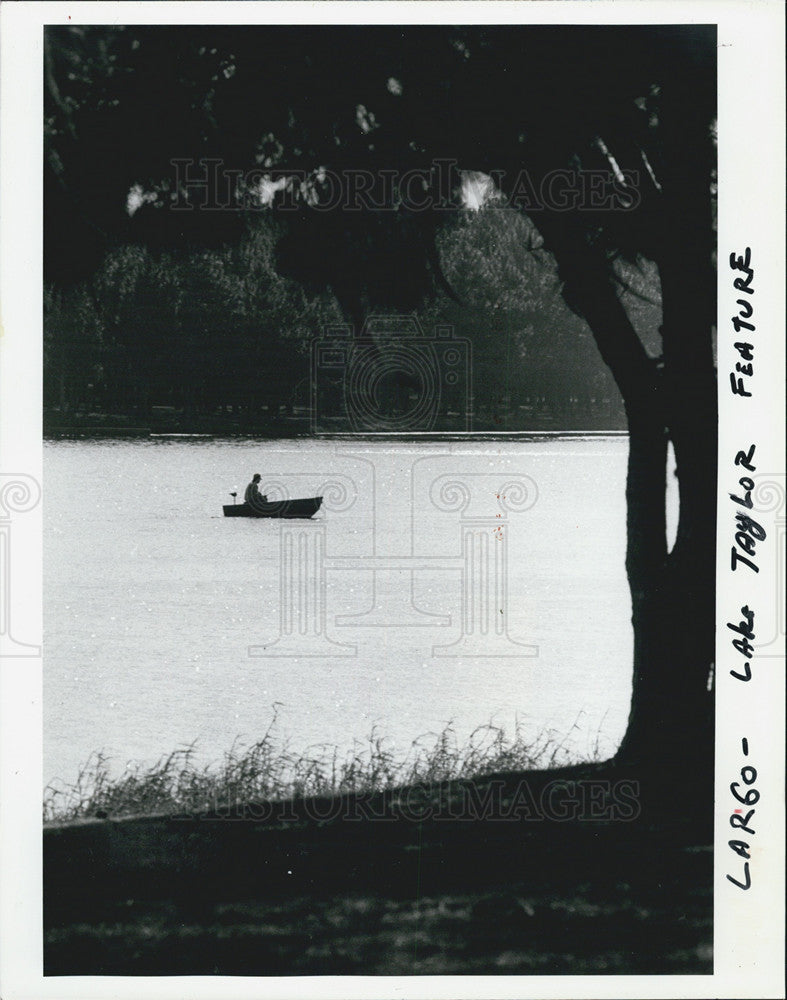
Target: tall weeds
268 770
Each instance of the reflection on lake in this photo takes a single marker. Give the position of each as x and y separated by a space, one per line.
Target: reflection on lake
441 582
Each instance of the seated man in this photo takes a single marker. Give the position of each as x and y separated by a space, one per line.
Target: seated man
252 496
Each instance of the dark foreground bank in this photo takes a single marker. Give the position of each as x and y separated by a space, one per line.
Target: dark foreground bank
548 873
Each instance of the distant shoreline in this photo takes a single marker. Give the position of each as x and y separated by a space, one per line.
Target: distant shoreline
145 433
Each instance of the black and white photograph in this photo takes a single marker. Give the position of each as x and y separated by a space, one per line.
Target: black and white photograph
392 446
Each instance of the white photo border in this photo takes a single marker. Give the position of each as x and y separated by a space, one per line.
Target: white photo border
748 925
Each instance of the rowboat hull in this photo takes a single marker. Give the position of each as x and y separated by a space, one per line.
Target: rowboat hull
302 508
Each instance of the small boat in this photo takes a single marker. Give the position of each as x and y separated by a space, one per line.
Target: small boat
306 507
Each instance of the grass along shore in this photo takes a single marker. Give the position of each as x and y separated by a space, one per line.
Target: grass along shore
268 770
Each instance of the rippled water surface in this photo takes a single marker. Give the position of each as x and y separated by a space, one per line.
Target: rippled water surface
417 597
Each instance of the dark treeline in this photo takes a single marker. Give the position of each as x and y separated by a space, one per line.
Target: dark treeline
218 339
181 336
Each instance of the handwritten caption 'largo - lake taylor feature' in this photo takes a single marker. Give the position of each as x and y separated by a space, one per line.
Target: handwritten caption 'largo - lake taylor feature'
748 533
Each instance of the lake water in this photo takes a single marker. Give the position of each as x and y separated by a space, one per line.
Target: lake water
441 582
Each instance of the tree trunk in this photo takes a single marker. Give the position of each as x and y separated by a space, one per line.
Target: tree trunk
669 735
686 610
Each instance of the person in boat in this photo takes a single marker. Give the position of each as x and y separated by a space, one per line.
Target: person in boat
252 496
